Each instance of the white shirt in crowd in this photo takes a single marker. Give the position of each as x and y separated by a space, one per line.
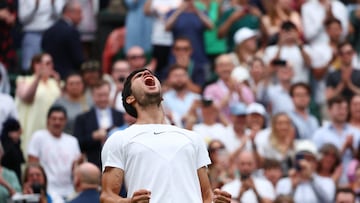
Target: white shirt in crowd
161 158
319 190
56 155
208 133
280 99
43 18
262 185
313 14
7 109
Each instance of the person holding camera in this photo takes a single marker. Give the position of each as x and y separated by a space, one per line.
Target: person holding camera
303 183
249 188
35 182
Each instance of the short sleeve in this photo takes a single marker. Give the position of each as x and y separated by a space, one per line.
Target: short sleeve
203 158
283 187
112 153
34 145
266 190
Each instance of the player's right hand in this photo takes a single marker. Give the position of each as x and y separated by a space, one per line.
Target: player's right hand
141 196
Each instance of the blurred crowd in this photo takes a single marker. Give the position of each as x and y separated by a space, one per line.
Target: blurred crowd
272 87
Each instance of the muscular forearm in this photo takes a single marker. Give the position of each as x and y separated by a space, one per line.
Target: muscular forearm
113 198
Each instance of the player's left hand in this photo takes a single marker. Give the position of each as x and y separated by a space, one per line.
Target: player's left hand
221 196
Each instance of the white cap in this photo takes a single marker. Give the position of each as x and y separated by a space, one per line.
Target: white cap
243 34
240 74
306 146
256 108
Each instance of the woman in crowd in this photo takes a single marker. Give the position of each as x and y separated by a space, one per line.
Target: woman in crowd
329 164
220 171
10 140
35 182
280 143
35 94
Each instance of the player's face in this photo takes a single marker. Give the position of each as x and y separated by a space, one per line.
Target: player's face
146 88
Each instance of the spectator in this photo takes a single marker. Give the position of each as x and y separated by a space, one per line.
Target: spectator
210 127
182 50
339 133
91 75
355 111
179 99
35 182
278 94
315 13
8 12
138 26
10 139
303 182
346 80
178 23
334 31
73 100
91 127
224 91
329 164
245 46
241 14
220 170
291 49
272 171
56 151
62 40
136 58
256 119
280 142
35 17
34 96
7 109
249 188
303 121
345 195
9 184
258 80
161 39
87 182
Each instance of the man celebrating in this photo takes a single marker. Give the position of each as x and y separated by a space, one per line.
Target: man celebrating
157 161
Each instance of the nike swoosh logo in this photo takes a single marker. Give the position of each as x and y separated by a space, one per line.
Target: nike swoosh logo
158 133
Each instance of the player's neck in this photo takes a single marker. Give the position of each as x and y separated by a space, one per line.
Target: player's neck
151 115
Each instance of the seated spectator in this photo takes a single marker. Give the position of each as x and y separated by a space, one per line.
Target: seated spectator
345 195
136 58
91 128
354 119
62 40
223 92
278 12
280 143
272 171
177 22
35 94
73 100
303 182
35 182
305 123
259 79
245 46
315 13
256 117
241 14
179 99
210 127
91 75
291 49
10 139
339 133
249 188
9 183
278 94
56 151
346 80
329 164
220 170
87 182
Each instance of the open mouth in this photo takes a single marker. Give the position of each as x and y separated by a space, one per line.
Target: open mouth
149 81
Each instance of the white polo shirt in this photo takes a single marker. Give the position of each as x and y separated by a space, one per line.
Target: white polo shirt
161 158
